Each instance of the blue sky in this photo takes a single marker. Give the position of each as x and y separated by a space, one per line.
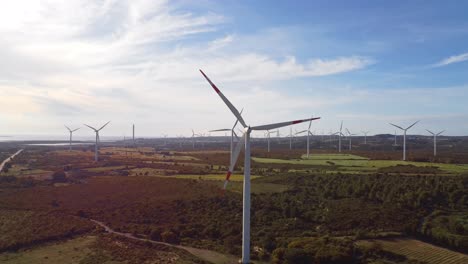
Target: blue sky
365 62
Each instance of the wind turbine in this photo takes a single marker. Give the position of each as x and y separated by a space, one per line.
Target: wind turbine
268 137
309 133
365 136
96 147
71 135
233 133
290 138
404 136
349 136
435 140
193 138
339 133
246 189
133 135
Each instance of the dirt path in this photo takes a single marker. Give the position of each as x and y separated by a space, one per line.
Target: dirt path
9 158
207 255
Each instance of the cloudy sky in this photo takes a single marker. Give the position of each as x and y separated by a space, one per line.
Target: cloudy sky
136 61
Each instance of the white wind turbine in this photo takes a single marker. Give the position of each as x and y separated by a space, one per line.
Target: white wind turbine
268 134
435 140
246 189
96 146
290 138
404 136
340 134
309 133
71 135
233 133
193 138
350 137
365 136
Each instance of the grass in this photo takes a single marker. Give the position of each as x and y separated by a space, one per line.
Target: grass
21 170
353 163
71 251
215 177
102 169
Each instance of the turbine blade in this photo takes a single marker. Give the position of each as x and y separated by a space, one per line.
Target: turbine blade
412 125
310 124
104 125
349 133
68 128
226 101
397 126
282 124
237 120
429 131
219 130
235 156
75 130
441 132
341 127
300 132
90 127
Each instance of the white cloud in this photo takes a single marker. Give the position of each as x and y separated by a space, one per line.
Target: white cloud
452 59
124 60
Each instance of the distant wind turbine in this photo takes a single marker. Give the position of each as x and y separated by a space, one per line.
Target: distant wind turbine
309 133
233 133
435 140
365 136
350 135
71 135
268 134
96 146
246 140
340 134
404 136
133 135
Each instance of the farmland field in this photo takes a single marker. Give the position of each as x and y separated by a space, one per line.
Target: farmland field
418 250
353 163
299 204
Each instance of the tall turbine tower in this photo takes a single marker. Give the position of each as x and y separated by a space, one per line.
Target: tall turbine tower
435 140
233 133
404 136
290 138
365 136
71 135
269 136
133 135
340 134
96 146
350 138
309 133
246 140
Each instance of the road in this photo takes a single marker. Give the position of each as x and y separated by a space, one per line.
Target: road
207 255
8 159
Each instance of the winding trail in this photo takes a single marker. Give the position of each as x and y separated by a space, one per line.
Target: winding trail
9 159
207 255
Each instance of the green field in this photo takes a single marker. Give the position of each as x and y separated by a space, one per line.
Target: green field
353 163
102 169
215 177
71 251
